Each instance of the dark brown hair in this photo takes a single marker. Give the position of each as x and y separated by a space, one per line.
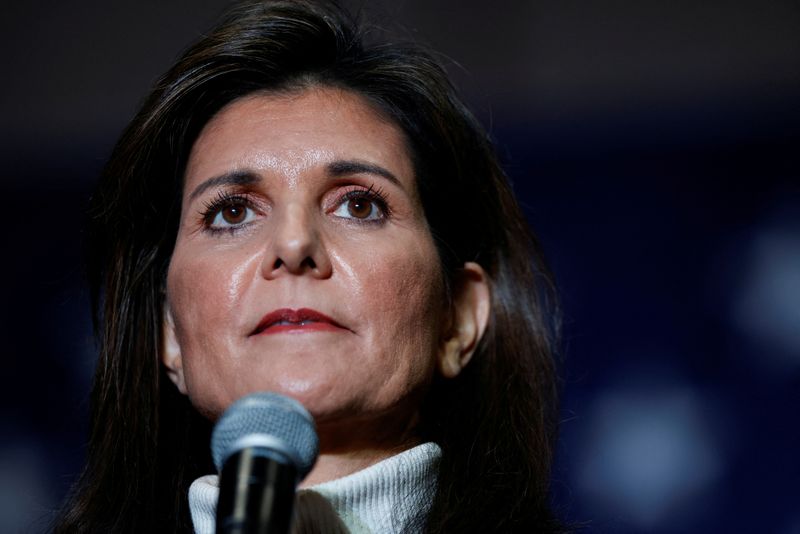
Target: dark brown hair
496 422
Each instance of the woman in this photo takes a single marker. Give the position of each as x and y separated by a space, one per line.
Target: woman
293 210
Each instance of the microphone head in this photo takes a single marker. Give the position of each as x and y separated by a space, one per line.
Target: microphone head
269 421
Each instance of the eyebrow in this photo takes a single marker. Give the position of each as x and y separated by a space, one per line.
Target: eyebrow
345 167
230 178
336 168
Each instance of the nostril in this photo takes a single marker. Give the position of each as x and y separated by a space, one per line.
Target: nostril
308 263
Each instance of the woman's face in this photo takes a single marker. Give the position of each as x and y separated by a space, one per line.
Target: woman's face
303 262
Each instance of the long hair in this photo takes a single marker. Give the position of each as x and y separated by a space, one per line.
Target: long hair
495 423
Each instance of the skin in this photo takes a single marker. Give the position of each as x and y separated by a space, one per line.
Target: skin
304 232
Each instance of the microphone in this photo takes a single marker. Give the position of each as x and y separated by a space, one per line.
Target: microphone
263 446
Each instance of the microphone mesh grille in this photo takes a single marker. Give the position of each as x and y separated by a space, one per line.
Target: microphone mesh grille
268 414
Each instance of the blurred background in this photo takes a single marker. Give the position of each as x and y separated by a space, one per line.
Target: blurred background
654 146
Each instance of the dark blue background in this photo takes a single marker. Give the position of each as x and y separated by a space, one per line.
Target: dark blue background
654 148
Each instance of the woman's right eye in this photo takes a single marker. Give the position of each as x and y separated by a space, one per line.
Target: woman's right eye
228 213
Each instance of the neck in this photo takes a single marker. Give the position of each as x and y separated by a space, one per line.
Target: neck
343 453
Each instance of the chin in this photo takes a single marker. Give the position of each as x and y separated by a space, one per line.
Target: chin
318 397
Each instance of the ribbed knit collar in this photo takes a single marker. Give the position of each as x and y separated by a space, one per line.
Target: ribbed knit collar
393 495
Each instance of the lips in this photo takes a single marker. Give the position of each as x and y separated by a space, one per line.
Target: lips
302 320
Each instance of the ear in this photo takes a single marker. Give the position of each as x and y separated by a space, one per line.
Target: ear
470 315
171 351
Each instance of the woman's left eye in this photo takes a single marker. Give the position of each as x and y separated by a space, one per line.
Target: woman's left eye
360 206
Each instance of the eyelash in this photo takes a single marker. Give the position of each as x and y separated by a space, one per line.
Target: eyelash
375 195
223 200
226 199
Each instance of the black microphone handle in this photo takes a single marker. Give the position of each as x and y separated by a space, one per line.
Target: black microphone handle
256 494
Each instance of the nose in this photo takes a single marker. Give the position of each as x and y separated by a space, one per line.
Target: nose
295 246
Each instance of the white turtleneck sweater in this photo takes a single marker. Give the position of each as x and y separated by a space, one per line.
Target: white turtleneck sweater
391 496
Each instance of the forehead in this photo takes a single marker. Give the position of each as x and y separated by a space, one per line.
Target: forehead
292 132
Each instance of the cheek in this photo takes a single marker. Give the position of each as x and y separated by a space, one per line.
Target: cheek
197 293
204 293
402 297
206 285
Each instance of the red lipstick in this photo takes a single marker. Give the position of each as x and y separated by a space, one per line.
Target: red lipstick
302 320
